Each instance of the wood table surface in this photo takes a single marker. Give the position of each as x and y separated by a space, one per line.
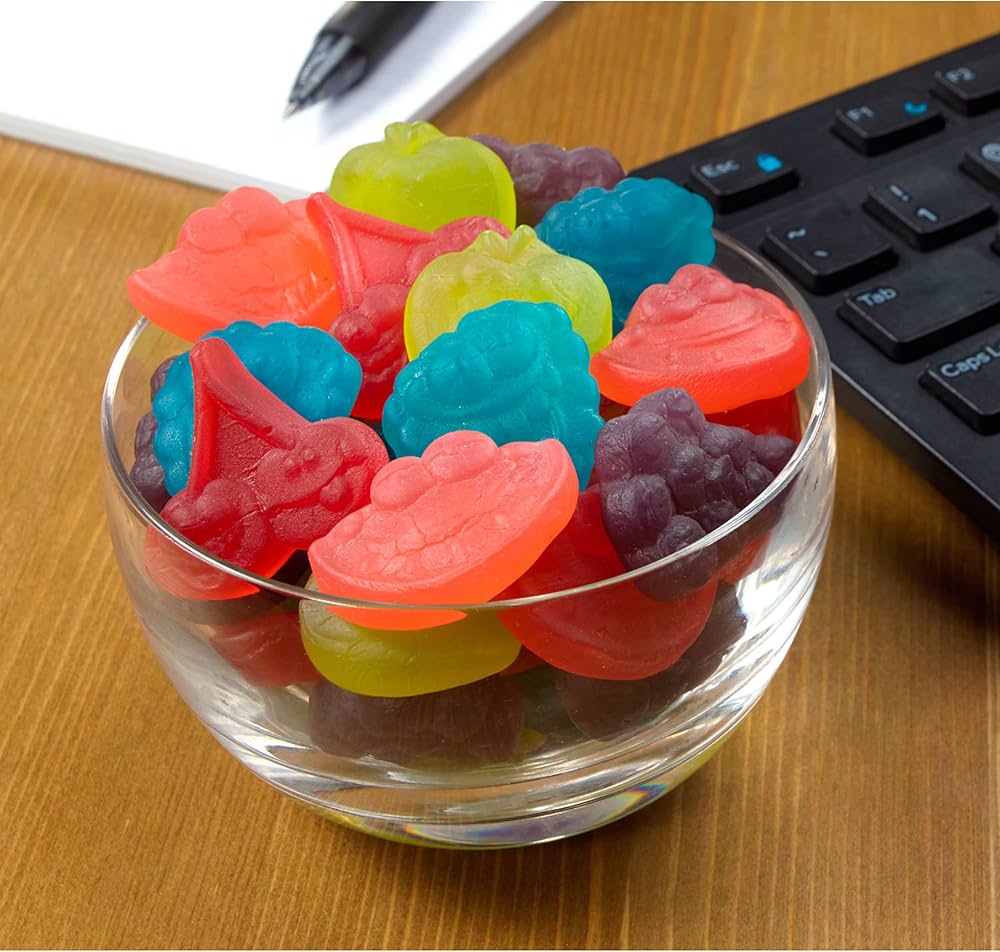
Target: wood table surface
858 805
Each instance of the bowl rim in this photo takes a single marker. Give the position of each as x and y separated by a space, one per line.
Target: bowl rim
819 362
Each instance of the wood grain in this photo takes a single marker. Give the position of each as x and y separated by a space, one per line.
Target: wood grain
857 806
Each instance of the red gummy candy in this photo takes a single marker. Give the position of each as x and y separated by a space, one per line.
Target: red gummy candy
264 481
249 258
373 333
267 650
776 416
726 344
366 250
452 526
616 634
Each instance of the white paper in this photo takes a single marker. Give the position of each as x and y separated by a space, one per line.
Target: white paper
195 89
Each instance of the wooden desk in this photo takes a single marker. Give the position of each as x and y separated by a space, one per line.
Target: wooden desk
858 805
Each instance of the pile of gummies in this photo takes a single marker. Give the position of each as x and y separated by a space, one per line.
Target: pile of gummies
468 372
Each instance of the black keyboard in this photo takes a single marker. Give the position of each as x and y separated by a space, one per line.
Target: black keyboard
880 203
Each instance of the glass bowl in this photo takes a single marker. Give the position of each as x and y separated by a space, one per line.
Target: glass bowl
523 756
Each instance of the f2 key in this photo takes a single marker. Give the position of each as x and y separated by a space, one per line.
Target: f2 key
971 88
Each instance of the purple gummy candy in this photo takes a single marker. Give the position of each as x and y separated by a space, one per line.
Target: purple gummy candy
600 709
147 473
668 477
477 723
544 174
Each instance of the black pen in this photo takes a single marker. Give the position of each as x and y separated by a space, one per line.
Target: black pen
351 43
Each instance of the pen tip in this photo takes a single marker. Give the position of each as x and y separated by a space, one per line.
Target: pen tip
291 109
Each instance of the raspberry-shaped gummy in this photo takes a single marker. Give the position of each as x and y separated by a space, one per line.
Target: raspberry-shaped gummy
420 177
514 370
494 268
451 527
668 477
726 344
302 366
249 257
544 174
637 234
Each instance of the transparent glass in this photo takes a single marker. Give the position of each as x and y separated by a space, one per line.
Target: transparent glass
517 758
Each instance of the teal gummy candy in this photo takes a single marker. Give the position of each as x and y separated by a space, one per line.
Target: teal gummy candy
516 371
634 235
303 366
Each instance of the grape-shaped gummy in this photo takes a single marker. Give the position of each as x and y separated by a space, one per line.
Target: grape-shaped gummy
476 723
492 269
544 174
514 370
668 477
147 473
637 234
420 177
303 366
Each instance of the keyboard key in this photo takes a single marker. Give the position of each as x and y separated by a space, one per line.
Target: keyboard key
982 162
827 248
971 88
967 380
916 310
742 178
929 208
887 122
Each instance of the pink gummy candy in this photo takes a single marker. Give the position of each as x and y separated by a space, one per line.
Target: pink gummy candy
249 258
264 481
455 525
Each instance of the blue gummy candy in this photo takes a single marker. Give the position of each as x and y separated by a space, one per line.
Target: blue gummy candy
514 371
303 366
634 235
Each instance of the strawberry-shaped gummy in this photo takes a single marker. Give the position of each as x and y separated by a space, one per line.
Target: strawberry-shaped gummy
248 258
602 709
634 235
147 474
773 416
544 174
420 177
366 250
302 366
727 344
264 480
476 723
615 633
514 370
404 663
266 650
492 269
372 332
453 526
668 477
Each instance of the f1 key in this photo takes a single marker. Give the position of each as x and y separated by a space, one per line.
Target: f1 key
967 380
887 122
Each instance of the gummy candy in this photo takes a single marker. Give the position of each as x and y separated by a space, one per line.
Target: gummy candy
264 480
476 723
302 366
251 258
601 709
372 332
404 663
514 370
615 633
727 344
775 416
266 650
637 234
367 251
420 177
667 478
544 174
147 474
453 526
495 269
525 661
